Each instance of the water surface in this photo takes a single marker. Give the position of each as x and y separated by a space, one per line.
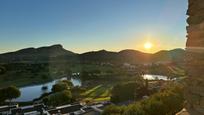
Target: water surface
28 93
155 77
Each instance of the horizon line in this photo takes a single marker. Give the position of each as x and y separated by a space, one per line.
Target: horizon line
92 50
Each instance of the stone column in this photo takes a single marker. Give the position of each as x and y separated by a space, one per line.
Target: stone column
195 57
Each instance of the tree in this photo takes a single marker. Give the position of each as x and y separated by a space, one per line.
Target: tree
45 100
12 92
114 110
2 95
69 83
120 93
62 85
59 98
168 101
9 93
2 70
59 87
135 109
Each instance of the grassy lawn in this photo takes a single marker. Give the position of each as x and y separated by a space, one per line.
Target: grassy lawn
176 70
100 92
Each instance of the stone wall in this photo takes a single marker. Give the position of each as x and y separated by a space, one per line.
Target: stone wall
195 57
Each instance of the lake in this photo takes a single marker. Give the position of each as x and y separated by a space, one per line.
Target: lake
29 93
155 77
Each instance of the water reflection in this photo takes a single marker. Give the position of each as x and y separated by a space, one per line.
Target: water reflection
155 77
29 93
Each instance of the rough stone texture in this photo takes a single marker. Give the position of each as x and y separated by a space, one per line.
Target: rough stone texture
195 58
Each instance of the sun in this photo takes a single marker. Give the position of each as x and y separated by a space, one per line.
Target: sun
148 45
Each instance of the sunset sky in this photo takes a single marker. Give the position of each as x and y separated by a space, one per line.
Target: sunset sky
86 25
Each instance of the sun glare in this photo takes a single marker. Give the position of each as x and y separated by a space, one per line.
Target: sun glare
148 45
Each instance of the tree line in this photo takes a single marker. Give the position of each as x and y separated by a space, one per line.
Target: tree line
168 101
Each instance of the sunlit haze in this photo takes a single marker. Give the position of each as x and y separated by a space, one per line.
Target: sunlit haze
86 25
148 45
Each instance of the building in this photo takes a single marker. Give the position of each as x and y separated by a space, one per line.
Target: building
66 109
6 110
38 109
41 109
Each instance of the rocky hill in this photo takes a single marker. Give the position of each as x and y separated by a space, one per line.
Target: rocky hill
34 55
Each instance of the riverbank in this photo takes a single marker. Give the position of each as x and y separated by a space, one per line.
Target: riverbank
24 82
28 93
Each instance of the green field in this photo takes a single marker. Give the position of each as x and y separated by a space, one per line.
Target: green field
100 92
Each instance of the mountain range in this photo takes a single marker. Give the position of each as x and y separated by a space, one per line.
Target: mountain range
57 53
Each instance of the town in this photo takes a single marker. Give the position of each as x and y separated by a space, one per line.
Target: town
41 109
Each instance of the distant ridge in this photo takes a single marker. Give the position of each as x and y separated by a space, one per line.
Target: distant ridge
46 49
134 56
42 54
58 53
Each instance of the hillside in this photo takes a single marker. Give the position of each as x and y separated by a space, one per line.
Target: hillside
58 53
133 56
36 55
